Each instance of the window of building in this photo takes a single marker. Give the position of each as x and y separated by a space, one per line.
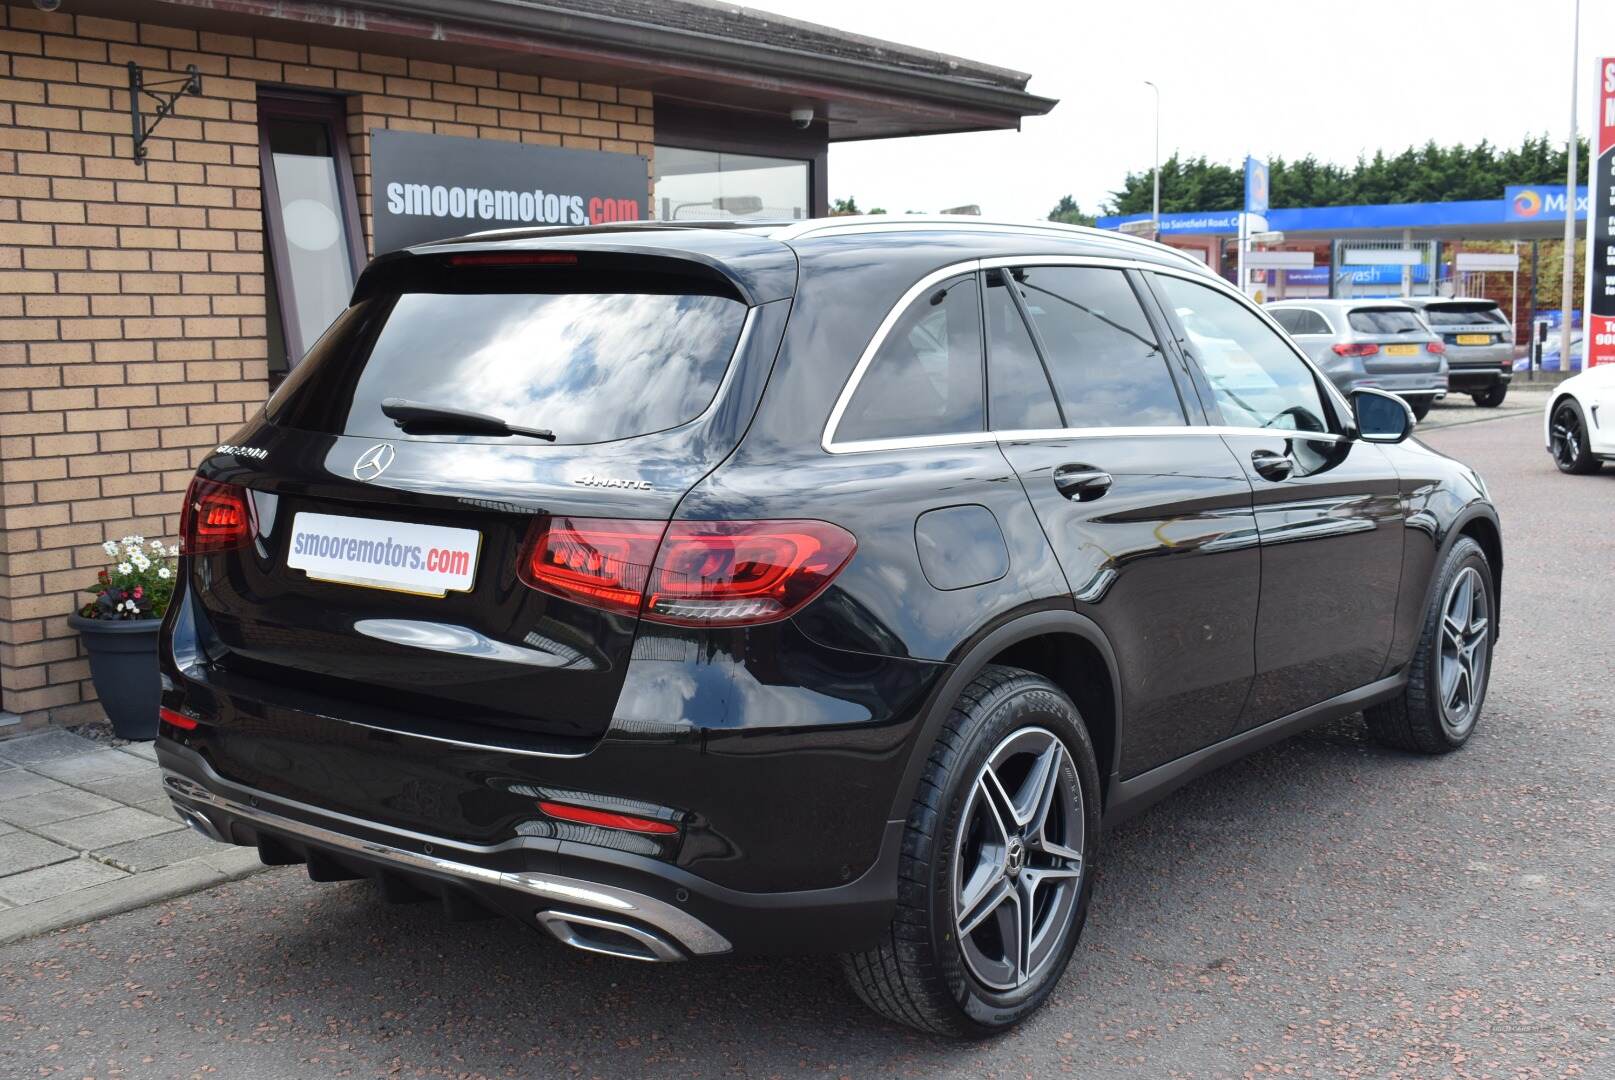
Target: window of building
314 249
926 378
1108 369
709 185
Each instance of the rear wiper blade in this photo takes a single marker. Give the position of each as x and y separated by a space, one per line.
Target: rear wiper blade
415 414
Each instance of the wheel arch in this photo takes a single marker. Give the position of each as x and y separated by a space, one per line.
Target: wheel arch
1068 649
1479 522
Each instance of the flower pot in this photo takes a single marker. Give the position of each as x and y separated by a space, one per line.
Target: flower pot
123 666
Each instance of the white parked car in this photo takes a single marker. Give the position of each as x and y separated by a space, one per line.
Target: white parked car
1579 425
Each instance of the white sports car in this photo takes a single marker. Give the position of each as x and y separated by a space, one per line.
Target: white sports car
1579 425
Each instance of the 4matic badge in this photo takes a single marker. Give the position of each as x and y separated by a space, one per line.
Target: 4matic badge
591 480
254 452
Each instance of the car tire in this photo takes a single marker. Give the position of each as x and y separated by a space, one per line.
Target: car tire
1009 727
1420 406
1567 439
1492 396
1437 711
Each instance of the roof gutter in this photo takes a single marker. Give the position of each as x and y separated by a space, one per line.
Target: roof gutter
655 49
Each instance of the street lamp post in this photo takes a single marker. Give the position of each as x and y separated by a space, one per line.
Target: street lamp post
1566 303
1155 198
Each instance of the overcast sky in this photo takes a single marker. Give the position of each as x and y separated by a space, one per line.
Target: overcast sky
1280 77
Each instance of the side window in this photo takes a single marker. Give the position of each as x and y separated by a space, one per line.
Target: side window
1289 318
1258 380
926 378
1300 321
1108 369
1315 323
1019 396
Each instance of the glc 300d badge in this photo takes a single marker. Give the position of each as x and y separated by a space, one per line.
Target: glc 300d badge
374 461
591 480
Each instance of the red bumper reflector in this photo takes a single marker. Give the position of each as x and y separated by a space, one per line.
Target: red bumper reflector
179 720
607 820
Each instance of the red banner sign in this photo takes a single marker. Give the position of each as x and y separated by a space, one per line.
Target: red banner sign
1599 330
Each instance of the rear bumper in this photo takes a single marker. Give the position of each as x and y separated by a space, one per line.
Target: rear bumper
1482 377
599 900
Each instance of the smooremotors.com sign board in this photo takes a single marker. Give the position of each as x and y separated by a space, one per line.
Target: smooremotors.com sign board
429 187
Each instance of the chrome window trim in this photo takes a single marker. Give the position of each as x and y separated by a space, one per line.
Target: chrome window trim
1197 275
1178 430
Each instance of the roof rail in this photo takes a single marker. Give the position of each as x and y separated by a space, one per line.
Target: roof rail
897 222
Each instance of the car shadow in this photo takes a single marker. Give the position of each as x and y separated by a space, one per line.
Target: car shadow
402 976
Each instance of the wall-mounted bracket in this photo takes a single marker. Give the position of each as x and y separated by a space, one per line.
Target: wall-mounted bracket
165 93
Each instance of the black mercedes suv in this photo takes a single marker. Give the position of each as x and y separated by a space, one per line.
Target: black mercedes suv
693 591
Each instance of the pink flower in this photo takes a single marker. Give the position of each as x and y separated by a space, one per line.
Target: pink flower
139 592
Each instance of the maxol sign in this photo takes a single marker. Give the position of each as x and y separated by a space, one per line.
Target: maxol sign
1540 202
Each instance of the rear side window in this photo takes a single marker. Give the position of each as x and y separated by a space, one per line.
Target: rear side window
1464 315
926 378
1384 321
1108 369
590 366
1021 398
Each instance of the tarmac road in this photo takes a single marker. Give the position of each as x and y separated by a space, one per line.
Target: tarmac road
1324 909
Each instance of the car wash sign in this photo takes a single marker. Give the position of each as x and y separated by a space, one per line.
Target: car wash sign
431 187
1600 300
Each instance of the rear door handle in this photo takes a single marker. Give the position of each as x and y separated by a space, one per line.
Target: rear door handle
1081 483
1272 466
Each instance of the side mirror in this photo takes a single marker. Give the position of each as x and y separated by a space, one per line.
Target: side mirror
1381 417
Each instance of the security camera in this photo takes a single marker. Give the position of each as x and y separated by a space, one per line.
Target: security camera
802 118
47 5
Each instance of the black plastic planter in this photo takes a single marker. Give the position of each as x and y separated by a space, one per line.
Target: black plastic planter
123 665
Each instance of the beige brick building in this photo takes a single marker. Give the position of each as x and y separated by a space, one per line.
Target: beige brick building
144 311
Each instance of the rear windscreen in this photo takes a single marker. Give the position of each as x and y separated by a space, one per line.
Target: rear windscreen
1464 314
589 366
1385 321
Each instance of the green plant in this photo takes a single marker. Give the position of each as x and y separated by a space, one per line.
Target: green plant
139 583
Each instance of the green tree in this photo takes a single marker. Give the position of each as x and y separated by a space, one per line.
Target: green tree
1428 173
841 207
1067 211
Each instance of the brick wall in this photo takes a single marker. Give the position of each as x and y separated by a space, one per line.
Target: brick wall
132 313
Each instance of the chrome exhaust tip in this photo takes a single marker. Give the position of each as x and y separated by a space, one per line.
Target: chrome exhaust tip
200 822
608 937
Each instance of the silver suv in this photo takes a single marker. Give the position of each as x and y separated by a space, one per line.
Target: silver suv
1480 345
1378 343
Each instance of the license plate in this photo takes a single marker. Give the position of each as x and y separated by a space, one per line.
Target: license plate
401 556
1401 350
1474 339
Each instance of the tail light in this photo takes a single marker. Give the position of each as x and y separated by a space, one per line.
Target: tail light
692 573
215 517
594 561
1356 348
504 259
1435 347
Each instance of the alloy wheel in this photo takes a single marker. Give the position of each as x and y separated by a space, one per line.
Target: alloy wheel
1018 859
1465 639
1566 436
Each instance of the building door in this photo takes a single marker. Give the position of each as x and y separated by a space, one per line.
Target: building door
314 248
